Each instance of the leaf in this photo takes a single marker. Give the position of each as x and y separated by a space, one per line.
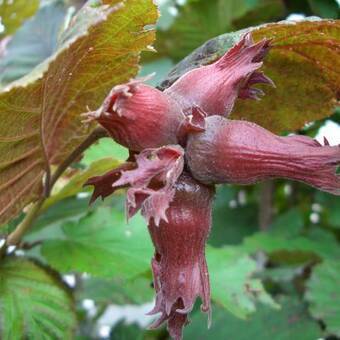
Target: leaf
125 330
283 274
35 41
200 20
231 283
273 243
34 303
14 12
231 225
307 54
77 181
330 208
103 245
118 291
68 209
104 148
324 296
303 63
288 224
325 8
290 322
41 122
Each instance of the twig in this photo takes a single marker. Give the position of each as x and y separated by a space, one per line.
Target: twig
266 204
92 138
15 237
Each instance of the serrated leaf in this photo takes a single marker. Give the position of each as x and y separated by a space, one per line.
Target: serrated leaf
290 322
76 183
324 296
34 303
35 41
232 285
14 12
102 244
41 122
307 53
303 63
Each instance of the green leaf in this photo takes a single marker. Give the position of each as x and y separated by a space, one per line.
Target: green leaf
330 208
282 274
288 224
77 181
303 63
69 209
125 330
40 113
105 147
325 8
199 21
118 291
232 285
34 303
290 322
102 244
231 225
35 41
14 12
324 296
275 243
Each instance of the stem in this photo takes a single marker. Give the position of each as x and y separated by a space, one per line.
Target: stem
266 205
15 237
93 137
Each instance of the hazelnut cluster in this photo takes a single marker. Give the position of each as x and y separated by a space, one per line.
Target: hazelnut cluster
182 144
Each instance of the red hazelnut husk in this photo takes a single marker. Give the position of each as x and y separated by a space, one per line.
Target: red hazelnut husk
150 181
179 266
240 152
139 116
214 88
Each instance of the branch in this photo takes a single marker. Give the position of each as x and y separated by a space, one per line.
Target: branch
15 237
266 204
92 138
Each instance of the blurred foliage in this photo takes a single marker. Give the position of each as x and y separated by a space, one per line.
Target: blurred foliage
323 295
34 41
198 21
290 322
280 282
14 12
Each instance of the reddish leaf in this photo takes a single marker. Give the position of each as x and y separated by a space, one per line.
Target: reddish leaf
40 114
